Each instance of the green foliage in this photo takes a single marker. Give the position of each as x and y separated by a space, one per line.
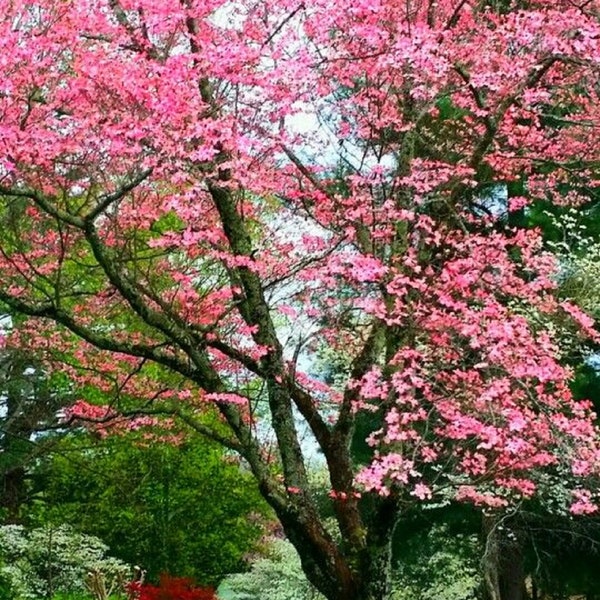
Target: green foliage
81 596
586 384
185 509
562 554
276 576
581 279
29 401
6 591
41 562
572 234
438 564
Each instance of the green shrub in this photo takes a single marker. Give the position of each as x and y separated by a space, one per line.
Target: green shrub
276 576
46 561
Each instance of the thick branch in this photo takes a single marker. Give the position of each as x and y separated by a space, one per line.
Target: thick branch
453 20
47 204
492 122
107 199
304 170
255 311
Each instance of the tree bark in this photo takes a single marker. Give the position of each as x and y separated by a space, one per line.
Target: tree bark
13 493
343 570
502 562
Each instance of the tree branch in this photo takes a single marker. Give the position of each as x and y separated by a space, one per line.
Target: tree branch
107 199
47 204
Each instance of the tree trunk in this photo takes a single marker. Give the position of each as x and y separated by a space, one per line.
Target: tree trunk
13 493
502 562
512 575
376 567
376 581
348 571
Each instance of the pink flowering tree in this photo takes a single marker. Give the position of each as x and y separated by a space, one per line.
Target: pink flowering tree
200 197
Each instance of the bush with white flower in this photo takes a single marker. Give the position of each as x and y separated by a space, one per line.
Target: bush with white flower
44 561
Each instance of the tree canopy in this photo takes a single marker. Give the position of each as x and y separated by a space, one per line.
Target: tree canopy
200 197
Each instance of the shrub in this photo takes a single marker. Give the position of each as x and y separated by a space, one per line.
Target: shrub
171 588
45 561
276 576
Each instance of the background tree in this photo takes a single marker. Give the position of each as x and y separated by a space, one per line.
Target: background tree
177 508
30 399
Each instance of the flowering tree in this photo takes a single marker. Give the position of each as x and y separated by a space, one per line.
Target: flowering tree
197 197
